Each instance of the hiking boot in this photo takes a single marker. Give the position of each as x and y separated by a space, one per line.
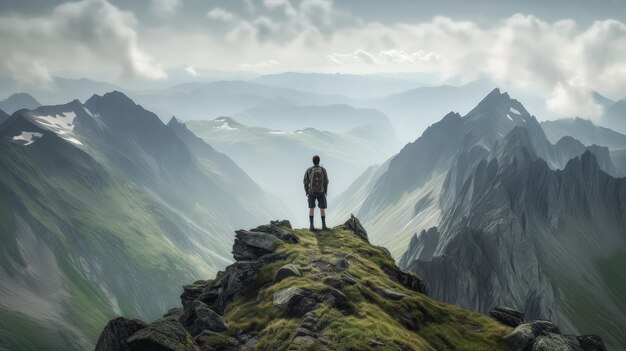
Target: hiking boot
312 228
324 227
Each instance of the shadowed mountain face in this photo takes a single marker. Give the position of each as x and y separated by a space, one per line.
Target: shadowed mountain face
17 102
504 216
423 177
99 201
3 116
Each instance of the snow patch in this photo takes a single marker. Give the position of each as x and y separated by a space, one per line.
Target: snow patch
509 116
514 111
226 126
61 124
277 132
27 137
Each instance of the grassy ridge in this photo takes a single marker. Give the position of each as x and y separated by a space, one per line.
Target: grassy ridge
431 325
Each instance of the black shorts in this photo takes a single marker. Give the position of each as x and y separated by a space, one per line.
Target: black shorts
321 200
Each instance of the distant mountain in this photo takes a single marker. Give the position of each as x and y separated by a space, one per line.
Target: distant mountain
3 116
355 86
585 131
195 101
277 159
410 195
336 118
18 101
411 112
100 200
59 90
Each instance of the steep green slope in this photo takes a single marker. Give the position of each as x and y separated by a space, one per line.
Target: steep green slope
80 244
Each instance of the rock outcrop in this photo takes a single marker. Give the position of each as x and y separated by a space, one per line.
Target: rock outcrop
297 290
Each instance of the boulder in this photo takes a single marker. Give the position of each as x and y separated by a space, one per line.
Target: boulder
162 335
295 301
230 284
354 225
191 292
250 245
591 343
390 294
507 316
200 317
115 333
278 232
524 334
286 271
555 342
174 312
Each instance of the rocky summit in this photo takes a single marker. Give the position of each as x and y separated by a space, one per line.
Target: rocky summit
293 289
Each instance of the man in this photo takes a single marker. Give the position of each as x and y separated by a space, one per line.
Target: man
316 188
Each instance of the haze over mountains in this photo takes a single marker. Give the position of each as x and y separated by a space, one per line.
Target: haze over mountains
98 201
101 199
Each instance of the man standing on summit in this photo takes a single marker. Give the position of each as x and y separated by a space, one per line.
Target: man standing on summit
316 188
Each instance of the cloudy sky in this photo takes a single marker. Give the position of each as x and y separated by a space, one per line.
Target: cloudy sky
563 50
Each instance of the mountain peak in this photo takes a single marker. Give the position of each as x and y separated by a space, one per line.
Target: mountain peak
113 97
19 101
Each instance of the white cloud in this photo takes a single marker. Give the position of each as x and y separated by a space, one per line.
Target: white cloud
192 71
263 64
84 34
221 15
387 57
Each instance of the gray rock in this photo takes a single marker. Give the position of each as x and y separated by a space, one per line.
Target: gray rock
305 332
252 245
200 317
295 301
524 334
278 232
231 283
407 279
354 225
174 312
390 294
191 292
555 342
162 335
303 341
591 343
507 316
283 223
286 271
115 333
375 342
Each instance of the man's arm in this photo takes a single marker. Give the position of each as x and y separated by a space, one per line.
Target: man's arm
306 182
326 181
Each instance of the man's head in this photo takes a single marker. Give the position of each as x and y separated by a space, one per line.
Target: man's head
316 160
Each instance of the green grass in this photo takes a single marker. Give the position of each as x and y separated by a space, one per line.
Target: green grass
416 322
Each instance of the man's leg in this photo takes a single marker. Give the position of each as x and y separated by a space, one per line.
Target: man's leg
323 212
311 216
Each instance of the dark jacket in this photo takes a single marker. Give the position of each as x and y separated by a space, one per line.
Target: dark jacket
307 180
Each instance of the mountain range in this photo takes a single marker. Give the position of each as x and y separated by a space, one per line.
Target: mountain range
100 201
504 217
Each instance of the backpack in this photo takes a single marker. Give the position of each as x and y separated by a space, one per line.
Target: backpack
316 180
